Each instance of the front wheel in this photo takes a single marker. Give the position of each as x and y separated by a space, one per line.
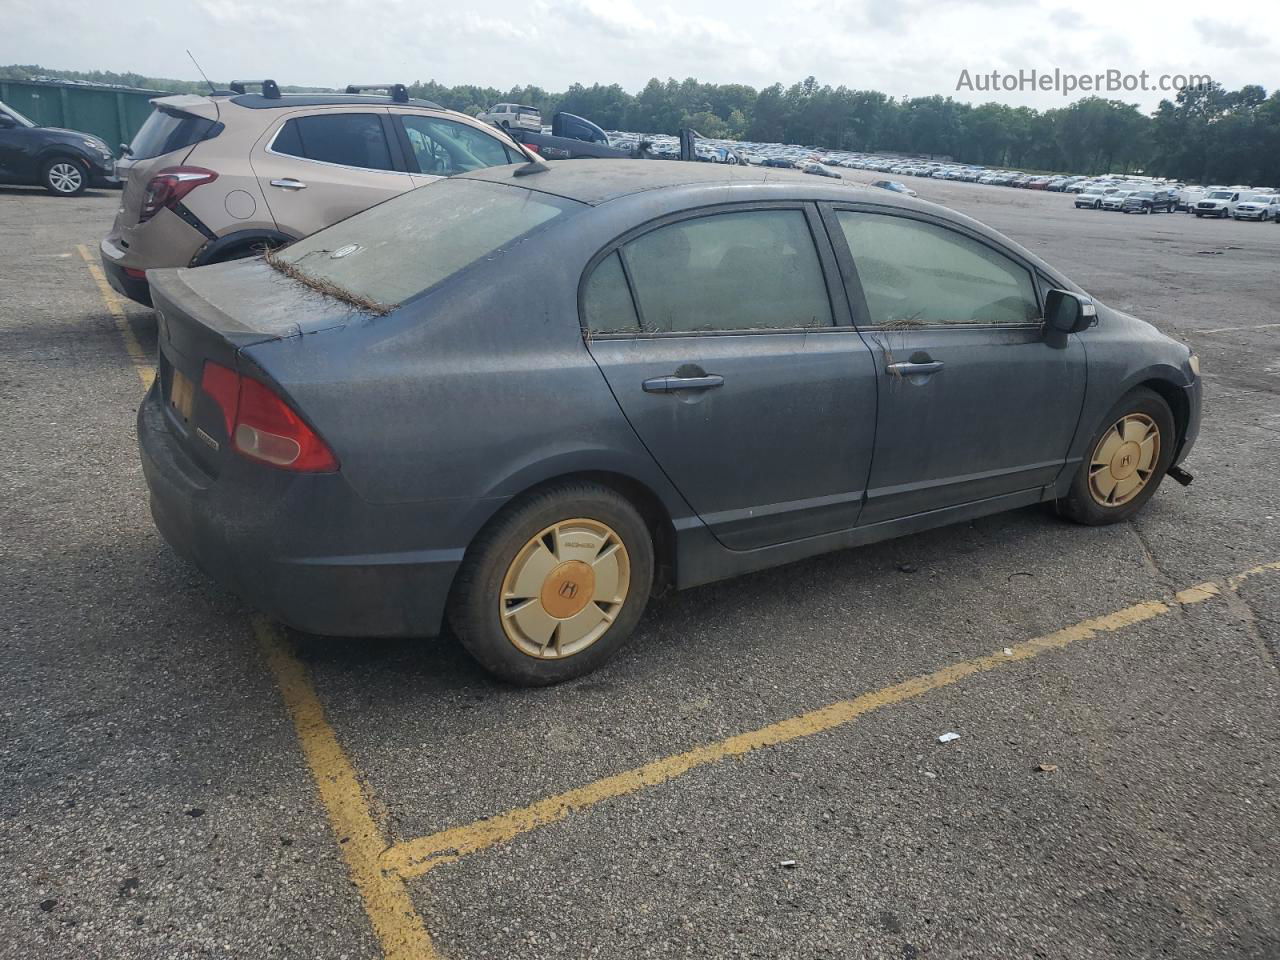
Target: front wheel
1129 457
64 177
555 585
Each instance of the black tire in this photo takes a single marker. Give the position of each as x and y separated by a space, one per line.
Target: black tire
1199 214
64 176
1079 504
474 602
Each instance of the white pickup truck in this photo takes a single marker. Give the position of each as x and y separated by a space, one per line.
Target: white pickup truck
513 116
1217 203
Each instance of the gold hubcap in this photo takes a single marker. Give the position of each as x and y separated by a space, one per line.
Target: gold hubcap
564 588
1124 460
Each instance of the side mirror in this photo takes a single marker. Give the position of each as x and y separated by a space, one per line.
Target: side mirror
1067 312
7 121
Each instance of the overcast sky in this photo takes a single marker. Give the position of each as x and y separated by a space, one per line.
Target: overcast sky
901 47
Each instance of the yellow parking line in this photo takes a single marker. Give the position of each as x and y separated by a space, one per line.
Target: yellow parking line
396 923
400 931
415 857
141 362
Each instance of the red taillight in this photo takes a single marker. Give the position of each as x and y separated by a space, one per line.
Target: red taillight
262 426
136 273
533 147
169 186
224 386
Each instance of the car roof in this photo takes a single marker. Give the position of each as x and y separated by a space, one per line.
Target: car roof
594 182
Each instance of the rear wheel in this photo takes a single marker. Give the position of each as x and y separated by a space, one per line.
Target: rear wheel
64 177
1128 458
554 586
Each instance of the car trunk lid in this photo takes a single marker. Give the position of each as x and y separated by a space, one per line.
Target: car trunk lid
209 316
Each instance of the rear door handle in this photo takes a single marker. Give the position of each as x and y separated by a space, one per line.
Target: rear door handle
672 384
905 369
288 183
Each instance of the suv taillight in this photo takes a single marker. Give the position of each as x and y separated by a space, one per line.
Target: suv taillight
169 186
262 426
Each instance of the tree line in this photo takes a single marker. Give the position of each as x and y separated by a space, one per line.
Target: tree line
1209 134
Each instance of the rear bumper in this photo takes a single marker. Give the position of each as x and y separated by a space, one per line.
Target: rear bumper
135 288
298 548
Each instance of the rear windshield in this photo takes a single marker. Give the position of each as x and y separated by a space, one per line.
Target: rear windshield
390 252
166 131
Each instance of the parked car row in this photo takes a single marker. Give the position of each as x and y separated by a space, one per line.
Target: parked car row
1237 203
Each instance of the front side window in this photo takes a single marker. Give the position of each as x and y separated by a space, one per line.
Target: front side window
920 274
748 270
349 139
445 147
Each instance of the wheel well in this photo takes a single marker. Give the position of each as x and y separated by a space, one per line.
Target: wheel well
644 500
219 250
1176 398
55 153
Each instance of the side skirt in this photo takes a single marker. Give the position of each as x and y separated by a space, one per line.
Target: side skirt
701 559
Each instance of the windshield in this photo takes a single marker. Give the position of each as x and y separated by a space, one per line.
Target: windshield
383 256
1220 195
4 107
1258 198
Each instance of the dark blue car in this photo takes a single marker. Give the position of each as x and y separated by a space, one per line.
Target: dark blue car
519 398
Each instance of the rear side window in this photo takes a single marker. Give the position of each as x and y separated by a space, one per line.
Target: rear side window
348 139
920 274
166 131
444 147
607 306
400 248
749 270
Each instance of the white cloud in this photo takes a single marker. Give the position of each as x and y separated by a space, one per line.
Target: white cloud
901 47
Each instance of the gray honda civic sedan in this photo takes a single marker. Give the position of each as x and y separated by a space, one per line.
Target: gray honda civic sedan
520 399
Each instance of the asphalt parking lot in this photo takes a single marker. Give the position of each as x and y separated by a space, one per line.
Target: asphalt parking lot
758 775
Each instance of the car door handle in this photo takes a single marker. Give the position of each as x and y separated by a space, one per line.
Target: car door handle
672 384
288 183
905 369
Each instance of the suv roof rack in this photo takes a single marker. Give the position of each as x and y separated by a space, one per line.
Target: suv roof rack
270 89
398 92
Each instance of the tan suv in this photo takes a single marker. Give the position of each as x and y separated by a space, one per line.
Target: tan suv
224 176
